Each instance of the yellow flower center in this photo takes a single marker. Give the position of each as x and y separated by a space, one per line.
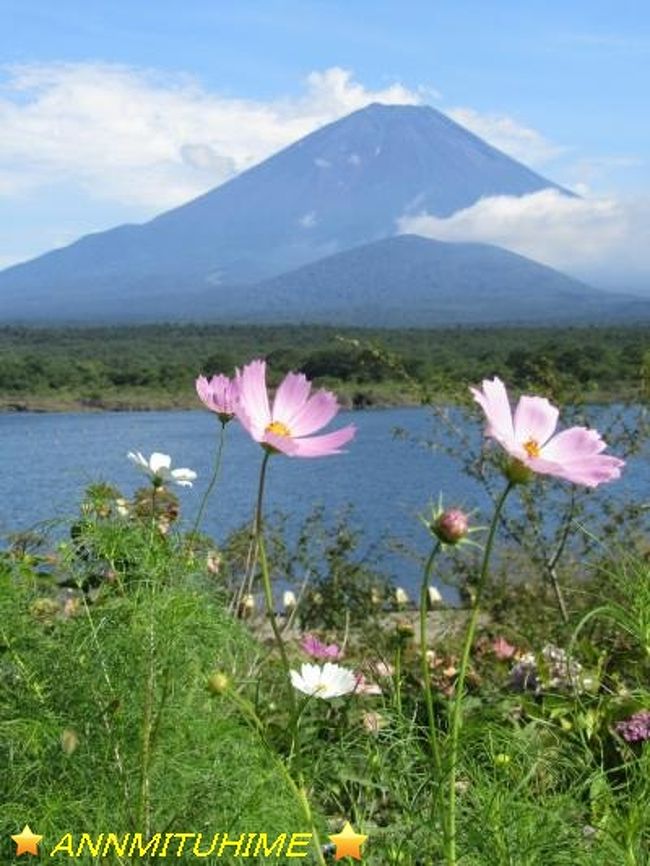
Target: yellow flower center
532 448
278 429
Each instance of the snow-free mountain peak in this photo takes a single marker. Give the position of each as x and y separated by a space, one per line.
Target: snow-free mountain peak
343 185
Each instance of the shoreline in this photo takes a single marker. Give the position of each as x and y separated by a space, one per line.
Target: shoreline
40 406
51 405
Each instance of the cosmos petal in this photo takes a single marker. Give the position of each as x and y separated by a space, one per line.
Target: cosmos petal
323 446
253 400
219 393
183 476
572 443
139 460
284 444
535 418
290 398
158 462
316 413
590 471
493 399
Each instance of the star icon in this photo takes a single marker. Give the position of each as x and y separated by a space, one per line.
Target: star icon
26 842
348 843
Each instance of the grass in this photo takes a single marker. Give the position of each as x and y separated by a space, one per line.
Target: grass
137 695
112 720
84 676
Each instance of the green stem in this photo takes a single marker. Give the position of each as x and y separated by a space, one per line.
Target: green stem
398 676
213 480
426 679
147 726
266 583
306 806
144 811
298 788
457 713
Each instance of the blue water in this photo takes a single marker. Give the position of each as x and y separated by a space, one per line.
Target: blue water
48 459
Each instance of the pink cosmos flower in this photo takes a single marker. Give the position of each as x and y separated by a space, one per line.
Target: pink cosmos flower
502 649
219 394
383 669
318 650
295 415
365 687
573 455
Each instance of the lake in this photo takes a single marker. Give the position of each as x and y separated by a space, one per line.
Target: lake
48 459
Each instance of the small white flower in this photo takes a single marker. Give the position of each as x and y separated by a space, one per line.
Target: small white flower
434 596
289 600
328 681
401 597
158 468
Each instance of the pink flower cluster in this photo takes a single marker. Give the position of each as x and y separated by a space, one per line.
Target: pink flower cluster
318 650
636 729
287 425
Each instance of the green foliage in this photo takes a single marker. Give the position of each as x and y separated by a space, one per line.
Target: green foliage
130 698
87 667
157 364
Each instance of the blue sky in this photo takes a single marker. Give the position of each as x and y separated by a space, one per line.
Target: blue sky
115 111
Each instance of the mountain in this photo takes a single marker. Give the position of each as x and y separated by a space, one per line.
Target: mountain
409 281
403 281
343 186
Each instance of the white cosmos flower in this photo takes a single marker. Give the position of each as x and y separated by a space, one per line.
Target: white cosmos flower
401 596
328 681
158 468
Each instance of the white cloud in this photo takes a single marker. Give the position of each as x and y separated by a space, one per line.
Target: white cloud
585 236
333 93
133 136
121 143
502 131
308 220
585 171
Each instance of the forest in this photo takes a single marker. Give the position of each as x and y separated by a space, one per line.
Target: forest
154 366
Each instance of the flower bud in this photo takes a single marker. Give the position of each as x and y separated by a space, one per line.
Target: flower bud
404 628
289 601
401 597
247 606
451 526
69 741
213 562
122 507
218 683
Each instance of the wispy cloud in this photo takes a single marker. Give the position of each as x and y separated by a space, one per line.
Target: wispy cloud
150 141
509 135
611 41
584 236
132 142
